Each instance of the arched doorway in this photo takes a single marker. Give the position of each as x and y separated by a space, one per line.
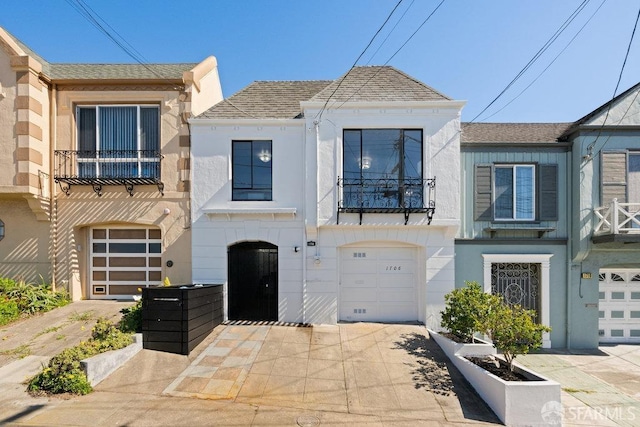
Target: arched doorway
253 281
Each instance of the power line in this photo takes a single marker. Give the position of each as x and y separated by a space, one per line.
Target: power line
543 49
86 12
551 63
624 63
319 115
392 56
392 30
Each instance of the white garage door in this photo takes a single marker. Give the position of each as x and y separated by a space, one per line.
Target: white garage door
122 260
378 284
619 305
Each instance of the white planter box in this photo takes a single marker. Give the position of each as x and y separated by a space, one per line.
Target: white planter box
516 403
451 347
100 366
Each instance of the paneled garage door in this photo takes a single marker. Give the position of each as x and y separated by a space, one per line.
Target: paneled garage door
124 259
619 305
378 284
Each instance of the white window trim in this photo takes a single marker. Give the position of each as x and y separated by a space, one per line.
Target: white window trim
545 264
515 195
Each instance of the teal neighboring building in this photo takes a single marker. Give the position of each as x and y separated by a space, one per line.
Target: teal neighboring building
551 220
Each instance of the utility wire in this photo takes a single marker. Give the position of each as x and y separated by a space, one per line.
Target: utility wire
392 56
392 30
319 115
88 13
543 49
551 63
624 63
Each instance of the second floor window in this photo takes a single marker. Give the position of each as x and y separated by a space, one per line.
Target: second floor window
382 168
118 141
251 170
515 192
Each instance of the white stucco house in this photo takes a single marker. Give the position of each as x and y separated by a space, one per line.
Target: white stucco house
326 201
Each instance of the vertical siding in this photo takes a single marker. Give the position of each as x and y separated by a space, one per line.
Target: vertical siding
472 229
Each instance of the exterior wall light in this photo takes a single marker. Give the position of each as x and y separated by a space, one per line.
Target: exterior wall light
296 249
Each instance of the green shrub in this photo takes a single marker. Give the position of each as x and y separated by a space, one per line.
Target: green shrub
466 309
8 311
132 318
63 373
513 331
31 298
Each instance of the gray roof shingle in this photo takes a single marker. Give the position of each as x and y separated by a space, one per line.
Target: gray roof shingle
378 83
512 132
266 100
281 100
118 71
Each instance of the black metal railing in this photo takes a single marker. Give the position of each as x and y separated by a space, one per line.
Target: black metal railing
387 195
107 167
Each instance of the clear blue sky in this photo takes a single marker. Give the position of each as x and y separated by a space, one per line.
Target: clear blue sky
469 50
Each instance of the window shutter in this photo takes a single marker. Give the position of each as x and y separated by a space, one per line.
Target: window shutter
483 209
548 192
614 177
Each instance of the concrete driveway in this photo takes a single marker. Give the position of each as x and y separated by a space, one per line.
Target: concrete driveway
349 374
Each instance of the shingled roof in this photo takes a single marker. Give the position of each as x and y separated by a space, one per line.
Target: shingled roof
118 71
60 72
281 100
512 132
266 100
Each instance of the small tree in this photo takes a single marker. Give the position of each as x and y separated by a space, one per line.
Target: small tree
466 310
513 330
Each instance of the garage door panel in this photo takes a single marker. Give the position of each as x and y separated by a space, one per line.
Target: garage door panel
378 284
619 305
396 281
123 259
359 281
360 294
400 295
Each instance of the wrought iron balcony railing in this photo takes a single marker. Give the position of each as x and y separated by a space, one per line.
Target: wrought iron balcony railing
620 220
387 196
107 167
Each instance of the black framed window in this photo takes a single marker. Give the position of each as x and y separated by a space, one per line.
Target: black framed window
118 141
252 165
382 168
1 229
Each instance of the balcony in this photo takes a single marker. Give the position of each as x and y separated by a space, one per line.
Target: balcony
617 222
107 167
404 196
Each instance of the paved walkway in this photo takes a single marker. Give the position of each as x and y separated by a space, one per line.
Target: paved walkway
347 374
599 388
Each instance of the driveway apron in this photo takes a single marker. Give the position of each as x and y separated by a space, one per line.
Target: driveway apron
392 371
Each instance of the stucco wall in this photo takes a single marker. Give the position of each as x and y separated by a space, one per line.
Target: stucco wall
8 116
83 208
24 250
469 266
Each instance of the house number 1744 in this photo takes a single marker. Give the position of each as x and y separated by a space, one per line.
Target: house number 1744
393 267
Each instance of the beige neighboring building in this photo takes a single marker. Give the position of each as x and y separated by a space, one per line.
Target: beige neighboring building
94 170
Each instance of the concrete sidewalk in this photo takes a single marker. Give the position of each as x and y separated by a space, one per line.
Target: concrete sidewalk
257 374
599 388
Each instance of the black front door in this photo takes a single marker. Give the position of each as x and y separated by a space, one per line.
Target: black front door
253 281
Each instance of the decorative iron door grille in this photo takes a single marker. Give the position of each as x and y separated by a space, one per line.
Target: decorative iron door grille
518 283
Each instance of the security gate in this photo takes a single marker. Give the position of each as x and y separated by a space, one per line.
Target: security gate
518 283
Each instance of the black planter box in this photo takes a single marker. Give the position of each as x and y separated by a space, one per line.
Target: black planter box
176 319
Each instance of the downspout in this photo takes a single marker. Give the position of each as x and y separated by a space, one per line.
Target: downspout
569 216
53 211
304 234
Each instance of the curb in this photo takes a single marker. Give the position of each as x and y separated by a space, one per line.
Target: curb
100 366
